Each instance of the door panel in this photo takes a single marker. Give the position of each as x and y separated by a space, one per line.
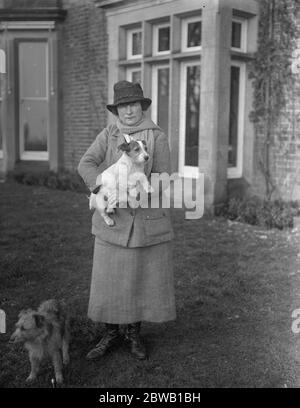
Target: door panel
34 125
33 100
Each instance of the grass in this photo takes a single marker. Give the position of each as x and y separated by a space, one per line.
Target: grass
236 287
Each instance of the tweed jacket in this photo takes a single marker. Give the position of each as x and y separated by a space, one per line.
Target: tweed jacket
138 227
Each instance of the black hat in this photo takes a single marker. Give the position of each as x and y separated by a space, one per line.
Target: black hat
126 92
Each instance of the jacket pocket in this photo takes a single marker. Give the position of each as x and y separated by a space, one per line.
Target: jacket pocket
157 223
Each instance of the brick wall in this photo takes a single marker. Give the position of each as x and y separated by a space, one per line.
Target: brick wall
285 152
84 79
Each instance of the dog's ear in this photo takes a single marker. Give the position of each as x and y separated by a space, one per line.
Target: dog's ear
39 320
125 147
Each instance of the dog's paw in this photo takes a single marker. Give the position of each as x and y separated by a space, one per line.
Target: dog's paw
59 379
110 210
109 222
30 379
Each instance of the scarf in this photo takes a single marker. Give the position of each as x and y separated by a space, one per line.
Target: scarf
143 130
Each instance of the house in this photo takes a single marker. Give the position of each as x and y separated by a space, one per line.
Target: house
192 58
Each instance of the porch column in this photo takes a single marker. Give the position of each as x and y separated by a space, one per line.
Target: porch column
215 99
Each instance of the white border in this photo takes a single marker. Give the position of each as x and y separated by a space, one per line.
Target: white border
155 42
34 155
154 105
244 28
237 172
184 33
185 171
129 34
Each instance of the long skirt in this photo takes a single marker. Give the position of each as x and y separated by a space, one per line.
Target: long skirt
132 284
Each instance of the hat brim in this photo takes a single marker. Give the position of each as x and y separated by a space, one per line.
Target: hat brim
145 102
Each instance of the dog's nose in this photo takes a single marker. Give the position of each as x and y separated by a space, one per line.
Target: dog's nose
146 157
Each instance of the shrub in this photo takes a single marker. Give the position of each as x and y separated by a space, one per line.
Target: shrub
63 180
256 211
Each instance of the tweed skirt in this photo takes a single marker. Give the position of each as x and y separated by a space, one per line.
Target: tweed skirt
132 284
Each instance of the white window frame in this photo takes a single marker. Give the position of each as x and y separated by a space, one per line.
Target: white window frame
154 104
2 62
237 172
130 71
37 155
155 42
244 28
185 171
184 33
129 35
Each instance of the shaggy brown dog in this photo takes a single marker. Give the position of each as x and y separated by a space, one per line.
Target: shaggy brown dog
45 333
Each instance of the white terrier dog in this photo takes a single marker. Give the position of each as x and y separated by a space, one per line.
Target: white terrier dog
122 178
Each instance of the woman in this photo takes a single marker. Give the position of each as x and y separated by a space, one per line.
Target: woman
132 277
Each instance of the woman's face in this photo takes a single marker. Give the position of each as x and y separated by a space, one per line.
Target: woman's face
130 113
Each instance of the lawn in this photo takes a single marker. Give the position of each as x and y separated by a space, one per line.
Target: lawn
236 288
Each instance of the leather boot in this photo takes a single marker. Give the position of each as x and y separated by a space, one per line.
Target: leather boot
109 339
132 335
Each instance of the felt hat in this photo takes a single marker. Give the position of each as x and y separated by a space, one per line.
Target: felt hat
127 92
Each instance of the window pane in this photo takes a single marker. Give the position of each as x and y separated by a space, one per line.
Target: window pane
163 98
164 39
236 35
34 125
33 69
234 116
136 77
194 34
137 43
192 115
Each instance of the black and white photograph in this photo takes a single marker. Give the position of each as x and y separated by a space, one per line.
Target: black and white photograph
149 196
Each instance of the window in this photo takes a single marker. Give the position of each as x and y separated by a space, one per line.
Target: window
160 96
191 34
134 43
34 100
154 65
189 118
169 64
239 35
161 39
134 75
236 120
